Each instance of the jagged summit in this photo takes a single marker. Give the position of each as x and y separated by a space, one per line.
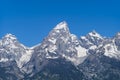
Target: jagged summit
8 39
61 25
95 34
12 50
10 36
60 31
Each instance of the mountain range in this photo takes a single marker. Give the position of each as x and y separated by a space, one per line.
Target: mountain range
61 56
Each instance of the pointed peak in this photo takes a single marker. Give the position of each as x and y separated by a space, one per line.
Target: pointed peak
94 34
10 36
62 25
8 39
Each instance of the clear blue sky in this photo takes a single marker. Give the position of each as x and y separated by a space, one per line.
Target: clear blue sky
31 20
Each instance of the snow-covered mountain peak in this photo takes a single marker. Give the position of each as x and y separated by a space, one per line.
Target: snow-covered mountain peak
61 43
10 36
60 32
62 25
12 50
95 34
8 39
91 40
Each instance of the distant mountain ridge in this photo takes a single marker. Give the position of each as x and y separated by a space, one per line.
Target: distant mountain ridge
83 57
